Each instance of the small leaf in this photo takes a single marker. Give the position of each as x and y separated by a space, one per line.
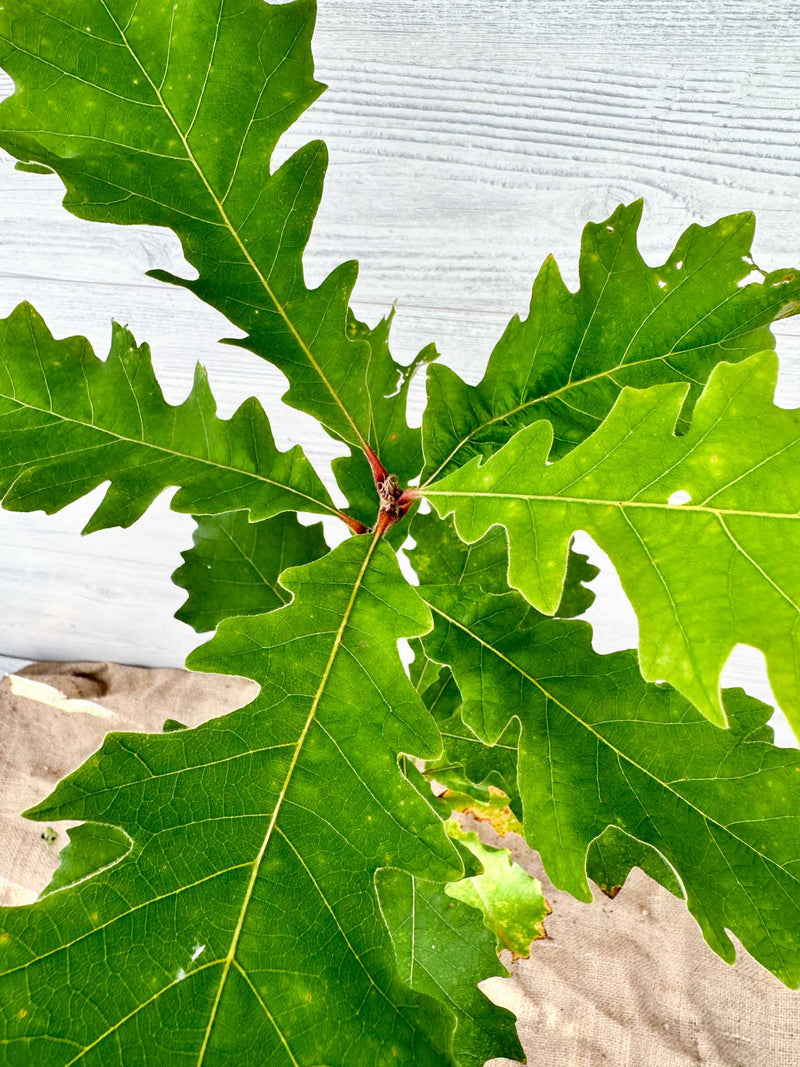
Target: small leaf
171 725
92 847
510 899
235 564
398 445
614 854
629 324
481 780
704 575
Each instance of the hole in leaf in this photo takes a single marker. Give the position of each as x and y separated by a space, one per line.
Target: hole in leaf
612 618
754 276
680 496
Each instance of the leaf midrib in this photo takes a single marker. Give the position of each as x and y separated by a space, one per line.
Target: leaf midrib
228 224
622 504
337 642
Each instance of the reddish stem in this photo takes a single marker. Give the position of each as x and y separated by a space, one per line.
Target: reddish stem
354 524
379 472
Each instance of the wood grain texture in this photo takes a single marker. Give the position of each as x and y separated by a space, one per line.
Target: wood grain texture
467 141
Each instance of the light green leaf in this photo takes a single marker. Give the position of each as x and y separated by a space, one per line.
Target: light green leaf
169 115
511 900
628 324
70 421
599 747
235 564
189 948
703 576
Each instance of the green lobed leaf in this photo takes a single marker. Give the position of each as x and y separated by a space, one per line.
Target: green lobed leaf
481 779
628 324
189 948
235 565
169 115
70 421
511 900
703 576
613 855
599 747
439 556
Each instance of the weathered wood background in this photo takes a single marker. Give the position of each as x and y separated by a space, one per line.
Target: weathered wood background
468 139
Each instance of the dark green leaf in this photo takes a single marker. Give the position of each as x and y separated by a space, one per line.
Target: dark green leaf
599 747
70 422
235 564
614 854
628 324
444 949
169 115
92 847
243 924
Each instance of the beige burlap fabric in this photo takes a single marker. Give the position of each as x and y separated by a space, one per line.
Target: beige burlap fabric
624 983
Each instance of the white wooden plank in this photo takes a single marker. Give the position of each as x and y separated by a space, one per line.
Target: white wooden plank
467 141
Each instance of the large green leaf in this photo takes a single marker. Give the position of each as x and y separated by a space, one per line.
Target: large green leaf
70 421
243 925
481 779
601 748
703 576
628 324
235 565
168 114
